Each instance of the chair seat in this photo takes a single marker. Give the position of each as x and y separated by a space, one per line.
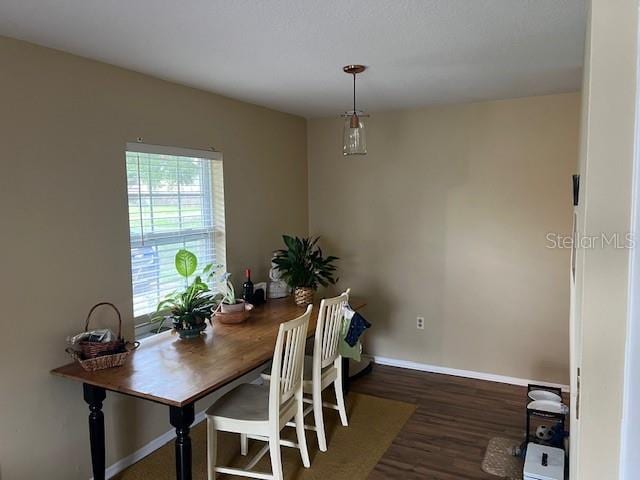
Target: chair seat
247 402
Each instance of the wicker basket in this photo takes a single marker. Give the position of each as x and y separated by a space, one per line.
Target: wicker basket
303 296
99 355
104 361
97 349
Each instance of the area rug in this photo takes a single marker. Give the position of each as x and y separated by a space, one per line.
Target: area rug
353 451
499 460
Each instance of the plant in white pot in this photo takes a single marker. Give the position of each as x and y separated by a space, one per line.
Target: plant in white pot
304 268
231 309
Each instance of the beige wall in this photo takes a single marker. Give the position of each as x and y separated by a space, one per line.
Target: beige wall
64 240
606 167
446 218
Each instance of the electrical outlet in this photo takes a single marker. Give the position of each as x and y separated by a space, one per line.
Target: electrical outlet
420 323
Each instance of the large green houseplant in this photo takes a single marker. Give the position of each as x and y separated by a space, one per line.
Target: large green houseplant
188 309
304 268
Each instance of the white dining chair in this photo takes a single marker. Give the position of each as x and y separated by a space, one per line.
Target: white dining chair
324 368
261 411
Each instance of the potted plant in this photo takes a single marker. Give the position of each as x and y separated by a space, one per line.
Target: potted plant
229 302
188 309
231 309
304 268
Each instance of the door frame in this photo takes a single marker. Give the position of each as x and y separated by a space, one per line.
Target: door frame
630 431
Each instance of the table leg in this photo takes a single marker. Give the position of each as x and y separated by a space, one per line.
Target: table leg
94 396
181 418
346 381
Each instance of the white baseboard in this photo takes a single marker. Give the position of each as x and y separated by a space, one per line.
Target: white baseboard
156 443
490 377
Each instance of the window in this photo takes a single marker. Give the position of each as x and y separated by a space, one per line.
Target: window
176 200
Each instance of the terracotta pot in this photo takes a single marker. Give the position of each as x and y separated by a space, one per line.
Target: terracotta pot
303 296
231 314
239 306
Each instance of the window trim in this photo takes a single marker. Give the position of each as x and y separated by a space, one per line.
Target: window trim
144 329
175 151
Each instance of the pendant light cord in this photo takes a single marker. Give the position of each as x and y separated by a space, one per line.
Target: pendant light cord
354 93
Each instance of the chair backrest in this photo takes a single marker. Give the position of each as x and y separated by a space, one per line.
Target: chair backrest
288 361
325 347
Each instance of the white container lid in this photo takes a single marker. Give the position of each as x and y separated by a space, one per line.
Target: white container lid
545 395
548 406
533 468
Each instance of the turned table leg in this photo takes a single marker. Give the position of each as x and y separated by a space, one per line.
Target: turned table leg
94 397
181 418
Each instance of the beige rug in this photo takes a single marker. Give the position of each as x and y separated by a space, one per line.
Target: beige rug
499 461
353 451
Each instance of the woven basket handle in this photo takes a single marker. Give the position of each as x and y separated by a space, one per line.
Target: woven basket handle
86 325
73 353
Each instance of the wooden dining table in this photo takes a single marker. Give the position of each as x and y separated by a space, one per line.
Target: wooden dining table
177 373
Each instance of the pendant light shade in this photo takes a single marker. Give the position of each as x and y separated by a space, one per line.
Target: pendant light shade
354 138
354 135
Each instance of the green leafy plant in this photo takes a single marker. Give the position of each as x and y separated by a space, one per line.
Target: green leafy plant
186 263
188 309
302 264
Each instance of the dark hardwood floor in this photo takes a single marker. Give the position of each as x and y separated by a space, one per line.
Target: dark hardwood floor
446 437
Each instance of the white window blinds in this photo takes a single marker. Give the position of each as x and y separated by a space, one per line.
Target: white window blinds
176 200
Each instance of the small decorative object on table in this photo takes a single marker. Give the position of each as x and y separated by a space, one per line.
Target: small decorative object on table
231 309
189 309
304 268
100 349
258 297
247 286
278 288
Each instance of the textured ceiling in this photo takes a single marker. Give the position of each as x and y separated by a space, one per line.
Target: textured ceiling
288 54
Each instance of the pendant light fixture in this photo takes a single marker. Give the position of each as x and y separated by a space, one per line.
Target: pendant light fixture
354 137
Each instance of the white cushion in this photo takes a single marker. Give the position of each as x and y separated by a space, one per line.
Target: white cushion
245 402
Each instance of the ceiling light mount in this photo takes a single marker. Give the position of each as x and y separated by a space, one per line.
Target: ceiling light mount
354 69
